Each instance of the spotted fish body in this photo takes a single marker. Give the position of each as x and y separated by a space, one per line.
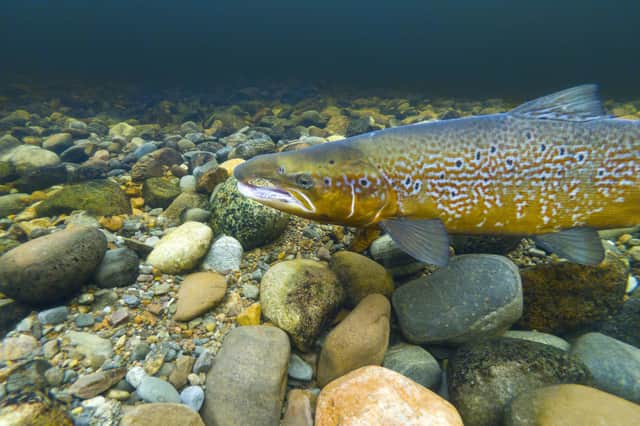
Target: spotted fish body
503 174
556 168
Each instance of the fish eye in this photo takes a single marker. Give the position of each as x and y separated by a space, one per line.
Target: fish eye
304 180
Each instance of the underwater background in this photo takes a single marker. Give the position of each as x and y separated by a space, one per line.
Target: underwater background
138 285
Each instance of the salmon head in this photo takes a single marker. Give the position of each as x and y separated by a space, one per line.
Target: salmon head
330 183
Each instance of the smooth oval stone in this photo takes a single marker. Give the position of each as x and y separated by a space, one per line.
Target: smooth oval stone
298 369
54 315
224 255
52 268
535 336
415 363
614 365
192 397
569 405
165 414
153 389
475 296
483 377
199 293
360 276
182 249
118 268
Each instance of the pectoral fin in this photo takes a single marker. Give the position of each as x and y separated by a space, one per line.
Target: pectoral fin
579 245
425 240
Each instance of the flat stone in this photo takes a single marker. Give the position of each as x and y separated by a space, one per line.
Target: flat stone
58 142
118 268
165 414
569 405
52 268
614 365
483 377
90 345
182 249
377 396
561 297
241 391
199 293
54 316
153 389
360 339
360 276
98 197
415 363
94 384
14 348
535 336
475 296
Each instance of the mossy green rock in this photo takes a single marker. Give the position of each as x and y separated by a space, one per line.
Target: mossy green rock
184 201
160 191
13 203
98 197
246 220
7 171
299 296
360 276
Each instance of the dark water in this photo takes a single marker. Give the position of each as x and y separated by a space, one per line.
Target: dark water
467 47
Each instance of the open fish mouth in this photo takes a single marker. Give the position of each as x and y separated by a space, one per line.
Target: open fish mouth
274 196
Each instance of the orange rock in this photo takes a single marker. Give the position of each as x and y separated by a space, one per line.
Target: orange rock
250 316
229 165
375 396
112 223
137 202
199 292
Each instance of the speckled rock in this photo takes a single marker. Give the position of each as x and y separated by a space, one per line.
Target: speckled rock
415 363
118 268
52 268
535 336
160 191
98 197
224 256
241 391
182 202
561 297
484 377
614 365
182 249
199 292
360 339
165 414
377 396
360 276
246 220
570 405
475 296
299 296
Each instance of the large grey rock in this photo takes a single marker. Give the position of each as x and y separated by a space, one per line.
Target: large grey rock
247 382
118 268
415 363
483 377
246 220
52 268
299 296
614 365
29 157
475 296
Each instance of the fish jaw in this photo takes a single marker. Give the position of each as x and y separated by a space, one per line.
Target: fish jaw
277 198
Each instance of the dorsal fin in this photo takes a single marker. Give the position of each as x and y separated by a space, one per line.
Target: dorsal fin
580 103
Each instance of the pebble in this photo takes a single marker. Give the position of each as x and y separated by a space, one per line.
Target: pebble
153 389
300 408
415 363
474 297
84 320
192 397
203 362
54 316
119 317
131 300
614 365
91 385
184 366
199 293
135 375
182 249
90 345
377 396
14 348
360 339
299 296
188 183
224 256
298 369
165 414
54 376
118 268
250 291
236 380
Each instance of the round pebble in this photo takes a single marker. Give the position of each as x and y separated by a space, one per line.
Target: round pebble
193 397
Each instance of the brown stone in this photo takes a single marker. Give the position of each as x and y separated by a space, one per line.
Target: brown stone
34 414
161 414
211 178
94 384
569 405
360 339
13 348
375 396
199 292
301 407
360 276
184 365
